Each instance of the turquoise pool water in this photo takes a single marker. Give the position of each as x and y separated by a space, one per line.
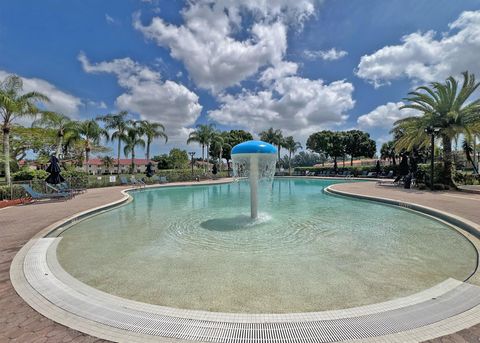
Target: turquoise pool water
196 248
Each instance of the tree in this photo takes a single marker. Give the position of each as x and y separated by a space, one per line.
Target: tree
152 131
444 106
178 158
202 135
307 159
62 125
232 138
107 162
216 145
90 133
358 143
274 137
163 161
133 139
387 152
468 150
330 143
292 147
119 123
15 104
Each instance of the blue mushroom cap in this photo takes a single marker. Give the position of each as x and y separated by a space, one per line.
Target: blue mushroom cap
254 147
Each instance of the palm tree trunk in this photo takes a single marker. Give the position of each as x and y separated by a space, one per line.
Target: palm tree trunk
203 156
290 162
208 147
351 161
87 157
6 153
447 160
148 149
118 156
59 146
394 161
133 160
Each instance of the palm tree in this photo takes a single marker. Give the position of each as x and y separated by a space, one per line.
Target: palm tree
107 162
203 136
217 142
132 140
152 131
292 147
90 133
13 105
274 137
62 124
468 150
445 107
117 122
387 152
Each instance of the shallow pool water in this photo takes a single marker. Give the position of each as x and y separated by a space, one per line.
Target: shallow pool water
196 248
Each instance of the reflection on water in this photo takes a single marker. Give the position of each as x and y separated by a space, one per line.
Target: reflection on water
196 247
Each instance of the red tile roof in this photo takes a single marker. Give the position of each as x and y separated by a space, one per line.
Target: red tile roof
123 161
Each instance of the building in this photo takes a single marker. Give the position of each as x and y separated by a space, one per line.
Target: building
97 167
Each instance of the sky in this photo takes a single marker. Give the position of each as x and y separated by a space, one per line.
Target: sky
300 66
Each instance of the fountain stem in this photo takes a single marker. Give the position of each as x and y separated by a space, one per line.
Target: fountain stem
253 177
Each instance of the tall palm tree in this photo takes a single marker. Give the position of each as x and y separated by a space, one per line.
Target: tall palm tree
119 123
152 131
444 106
132 140
62 124
91 134
274 137
107 162
468 150
15 104
387 152
292 147
203 136
217 142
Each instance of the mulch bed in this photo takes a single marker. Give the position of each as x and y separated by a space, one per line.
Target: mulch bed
6 203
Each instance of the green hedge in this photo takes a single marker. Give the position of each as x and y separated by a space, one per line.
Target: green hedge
11 193
356 170
29 174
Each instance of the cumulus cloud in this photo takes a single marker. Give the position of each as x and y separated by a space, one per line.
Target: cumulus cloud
297 105
326 55
60 101
207 45
168 102
279 71
385 115
425 56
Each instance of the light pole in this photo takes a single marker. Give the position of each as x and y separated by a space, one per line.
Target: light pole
432 131
192 153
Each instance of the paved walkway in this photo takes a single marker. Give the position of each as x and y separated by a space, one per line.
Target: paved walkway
458 203
20 323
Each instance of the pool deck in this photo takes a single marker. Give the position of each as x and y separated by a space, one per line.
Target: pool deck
20 323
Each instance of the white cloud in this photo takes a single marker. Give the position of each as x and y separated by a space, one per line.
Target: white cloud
60 101
206 42
169 103
326 55
296 105
385 115
109 19
424 57
279 71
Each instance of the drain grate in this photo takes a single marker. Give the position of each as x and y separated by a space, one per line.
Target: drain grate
121 316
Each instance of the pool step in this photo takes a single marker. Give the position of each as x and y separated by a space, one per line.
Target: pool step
147 322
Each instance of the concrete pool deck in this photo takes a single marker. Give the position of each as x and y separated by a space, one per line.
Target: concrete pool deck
19 322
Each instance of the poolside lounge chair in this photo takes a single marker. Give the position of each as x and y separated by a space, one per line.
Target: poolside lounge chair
57 189
137 182
65 187
41 196
162 179
399 180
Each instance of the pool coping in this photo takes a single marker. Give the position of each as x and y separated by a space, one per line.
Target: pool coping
21 284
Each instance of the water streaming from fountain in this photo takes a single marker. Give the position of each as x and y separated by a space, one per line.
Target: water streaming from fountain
254 160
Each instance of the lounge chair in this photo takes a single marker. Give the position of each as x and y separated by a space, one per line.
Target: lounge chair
399 180
56 189
137 182
162 179
65 187
42 196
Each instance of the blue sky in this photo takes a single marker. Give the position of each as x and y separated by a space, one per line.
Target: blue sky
300 66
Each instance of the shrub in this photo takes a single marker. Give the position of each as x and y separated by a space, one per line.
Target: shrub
15 192
29 174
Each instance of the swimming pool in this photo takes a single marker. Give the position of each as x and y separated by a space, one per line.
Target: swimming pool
196 248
